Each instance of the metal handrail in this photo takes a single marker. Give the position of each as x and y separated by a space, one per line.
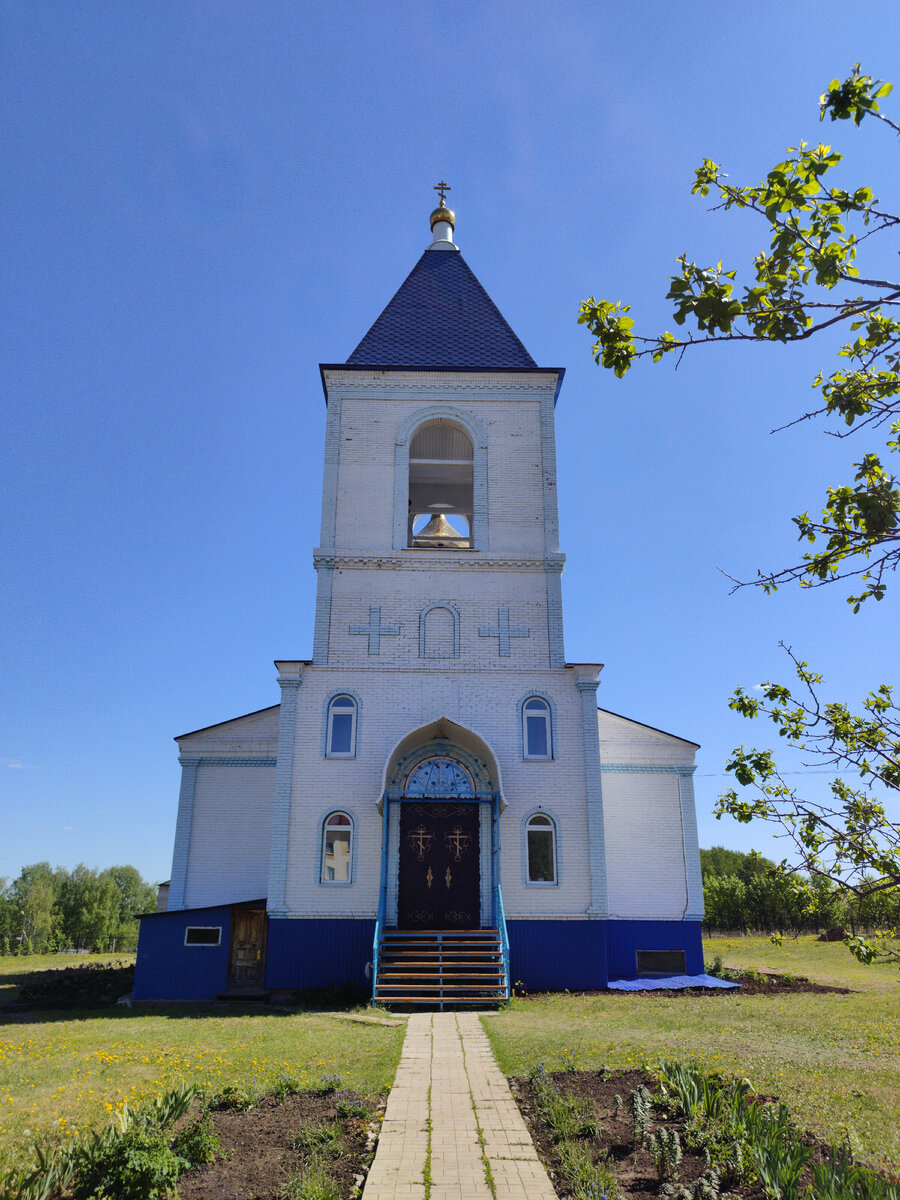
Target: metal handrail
382 900
504 937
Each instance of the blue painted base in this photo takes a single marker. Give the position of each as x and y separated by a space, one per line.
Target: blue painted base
313 953
585 955
167 969
552 956
625 938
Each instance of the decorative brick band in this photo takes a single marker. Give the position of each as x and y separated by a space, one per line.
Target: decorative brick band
204 761
648 768
429 560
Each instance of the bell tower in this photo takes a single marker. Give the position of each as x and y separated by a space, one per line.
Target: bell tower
439 516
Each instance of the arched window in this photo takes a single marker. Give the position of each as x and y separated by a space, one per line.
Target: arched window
441 475
440 776
537 729
540 849
340 732
337 848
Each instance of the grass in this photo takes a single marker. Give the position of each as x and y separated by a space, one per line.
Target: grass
835 1059
66 1072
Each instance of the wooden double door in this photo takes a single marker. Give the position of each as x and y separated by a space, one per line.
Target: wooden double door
439 875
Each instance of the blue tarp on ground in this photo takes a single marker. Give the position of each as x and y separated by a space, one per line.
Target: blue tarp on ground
670 981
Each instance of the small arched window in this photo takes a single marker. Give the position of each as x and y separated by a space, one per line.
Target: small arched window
537 729
340 734
540 834
337 848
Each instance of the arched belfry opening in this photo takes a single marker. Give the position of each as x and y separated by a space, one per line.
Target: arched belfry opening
441 487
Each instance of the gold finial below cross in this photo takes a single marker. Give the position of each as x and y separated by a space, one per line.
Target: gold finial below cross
442 188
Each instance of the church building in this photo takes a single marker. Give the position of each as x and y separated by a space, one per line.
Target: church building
437 809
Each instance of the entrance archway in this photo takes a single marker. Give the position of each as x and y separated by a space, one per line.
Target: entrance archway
441 807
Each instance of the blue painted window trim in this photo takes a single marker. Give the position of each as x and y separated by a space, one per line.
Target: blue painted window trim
326 719
475 429
203 945
333 812
423 615
523 745
538 883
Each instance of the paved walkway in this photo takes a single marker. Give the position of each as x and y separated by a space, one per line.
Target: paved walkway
452 1130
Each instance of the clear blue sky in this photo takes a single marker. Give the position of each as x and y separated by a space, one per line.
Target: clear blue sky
202 201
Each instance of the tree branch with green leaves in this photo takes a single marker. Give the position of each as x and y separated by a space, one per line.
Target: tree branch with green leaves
806 282
849 841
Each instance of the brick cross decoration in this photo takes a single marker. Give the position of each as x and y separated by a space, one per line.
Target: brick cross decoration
503 631
375 630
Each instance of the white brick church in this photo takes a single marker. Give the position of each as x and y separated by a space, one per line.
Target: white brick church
437 805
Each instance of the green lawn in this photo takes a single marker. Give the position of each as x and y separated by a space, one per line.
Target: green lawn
835 1059
63 1072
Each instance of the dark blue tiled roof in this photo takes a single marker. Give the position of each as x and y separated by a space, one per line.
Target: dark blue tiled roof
441 316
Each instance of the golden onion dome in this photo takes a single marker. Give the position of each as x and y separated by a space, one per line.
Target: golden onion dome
443 214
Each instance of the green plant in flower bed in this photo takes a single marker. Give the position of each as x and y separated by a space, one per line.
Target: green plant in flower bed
90 985
312 1183
351 1107
135 1165
130 1159
198 1142
233 1099
568 1116
587 1179
745 1136
319 1141
664 1145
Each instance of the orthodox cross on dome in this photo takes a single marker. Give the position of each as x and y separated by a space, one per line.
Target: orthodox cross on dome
374 630
442 188
503 631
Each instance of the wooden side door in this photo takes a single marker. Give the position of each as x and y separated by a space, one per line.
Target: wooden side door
248 948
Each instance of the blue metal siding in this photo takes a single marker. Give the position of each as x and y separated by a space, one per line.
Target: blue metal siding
558 955
625 938
585 955
314 953
167 969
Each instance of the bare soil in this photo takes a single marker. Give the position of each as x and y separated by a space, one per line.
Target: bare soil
258 1159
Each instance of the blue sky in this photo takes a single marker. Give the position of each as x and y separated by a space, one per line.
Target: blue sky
202 201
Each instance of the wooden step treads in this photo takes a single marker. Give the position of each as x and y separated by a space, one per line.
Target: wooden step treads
441 968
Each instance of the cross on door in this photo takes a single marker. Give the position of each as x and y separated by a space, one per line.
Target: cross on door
375 629
503 631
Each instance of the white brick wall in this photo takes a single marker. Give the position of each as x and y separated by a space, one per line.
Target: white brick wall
230 835
393 704
645 857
